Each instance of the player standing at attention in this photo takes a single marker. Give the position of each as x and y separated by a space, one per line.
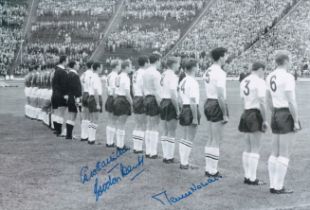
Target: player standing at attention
94 102
74 94
284 120
253 120
138 108
151 89
169 108
122 102
59 86
190 116
86 83
215 109
111 80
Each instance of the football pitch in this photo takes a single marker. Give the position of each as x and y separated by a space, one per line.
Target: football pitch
39 171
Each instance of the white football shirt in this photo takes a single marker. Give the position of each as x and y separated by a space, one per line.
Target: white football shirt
86 80
169 82
122 84
138 82
278 82
189 88
111 80
151 81
214 78
252 88
96 85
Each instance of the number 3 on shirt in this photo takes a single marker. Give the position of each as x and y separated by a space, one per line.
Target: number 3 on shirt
273 84
247 89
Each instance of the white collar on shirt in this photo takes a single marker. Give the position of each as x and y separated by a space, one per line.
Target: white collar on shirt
74 71
61 66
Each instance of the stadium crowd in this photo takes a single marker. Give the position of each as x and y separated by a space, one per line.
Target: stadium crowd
153 24
292 34
12 19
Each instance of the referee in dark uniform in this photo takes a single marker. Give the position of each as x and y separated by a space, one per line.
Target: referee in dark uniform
74 94
60 91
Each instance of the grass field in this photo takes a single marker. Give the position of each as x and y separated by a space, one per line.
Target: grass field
41 172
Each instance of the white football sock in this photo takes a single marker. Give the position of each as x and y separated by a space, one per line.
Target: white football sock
154 142
170 147
245 163
281 169
134 139
272 170
120 138
212 157
147 142
140 135
164 145
92 128
254 158
83 129
186 147
108 135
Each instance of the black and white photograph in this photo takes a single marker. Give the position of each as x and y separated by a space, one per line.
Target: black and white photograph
154 105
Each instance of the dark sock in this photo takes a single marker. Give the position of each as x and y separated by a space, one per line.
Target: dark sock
69 130
56 127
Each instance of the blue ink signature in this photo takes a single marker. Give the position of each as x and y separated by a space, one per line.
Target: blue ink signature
86 175
171 200
124 170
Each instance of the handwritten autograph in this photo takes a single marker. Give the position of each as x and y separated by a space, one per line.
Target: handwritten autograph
164 198
125 170
86 175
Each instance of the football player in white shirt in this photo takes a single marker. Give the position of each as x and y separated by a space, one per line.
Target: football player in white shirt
169 108
215 109
86 83
253 120
151 89
284 120
111 79
94 102
138 107
122 102
189 117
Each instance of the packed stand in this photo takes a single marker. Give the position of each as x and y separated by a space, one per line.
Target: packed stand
292 34
154 24
12 20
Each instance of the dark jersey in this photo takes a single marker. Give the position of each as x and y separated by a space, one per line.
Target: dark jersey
74 84
60 81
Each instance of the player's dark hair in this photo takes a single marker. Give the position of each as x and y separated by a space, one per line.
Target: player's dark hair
89 64
62 58
71 64
258 65
281 57
190 64
218 53
154 58
125 64
96 66
142 60
171 61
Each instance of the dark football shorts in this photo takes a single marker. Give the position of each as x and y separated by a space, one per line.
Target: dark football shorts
109 104
58 101
167 110
213 111
121 106
150 106
138 107
251 121
186 116
85 97
71 105
92 104
282 121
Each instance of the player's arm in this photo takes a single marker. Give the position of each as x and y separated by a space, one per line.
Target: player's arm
222 100
157 87
174 96
194 90
97 92
292 104
127 91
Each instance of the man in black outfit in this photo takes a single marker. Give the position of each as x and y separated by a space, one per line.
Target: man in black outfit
60 94
74 94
